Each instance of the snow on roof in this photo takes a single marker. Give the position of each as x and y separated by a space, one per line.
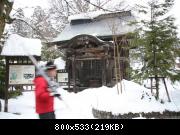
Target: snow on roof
89 15
100 27
20 46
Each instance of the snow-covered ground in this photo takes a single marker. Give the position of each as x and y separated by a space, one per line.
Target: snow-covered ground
134 98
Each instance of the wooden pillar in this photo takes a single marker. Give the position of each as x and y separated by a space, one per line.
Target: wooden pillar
74 73
68 63
0 106
151 85
108 72
157 87
6 85
169 100
104 72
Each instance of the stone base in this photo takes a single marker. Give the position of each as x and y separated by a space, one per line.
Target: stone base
157 115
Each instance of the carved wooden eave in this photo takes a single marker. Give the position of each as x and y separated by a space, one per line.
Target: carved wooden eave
90 61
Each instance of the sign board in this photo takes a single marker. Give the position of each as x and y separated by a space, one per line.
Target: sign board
21 74
62 77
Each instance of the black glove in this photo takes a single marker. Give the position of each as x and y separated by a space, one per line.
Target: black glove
54 94
57 95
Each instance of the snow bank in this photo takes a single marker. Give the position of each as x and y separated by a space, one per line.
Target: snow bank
74 105
20 46
135 99
4 115
22 107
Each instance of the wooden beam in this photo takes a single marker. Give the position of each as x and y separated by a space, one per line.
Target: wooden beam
88 57
68 61
104 72
169 100
83 59
74 74
90 50
151 85
6 86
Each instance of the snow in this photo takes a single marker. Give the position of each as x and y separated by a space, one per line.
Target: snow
60 63
20 108
28 4
101 27
88 15
20 46
70 108
79 105
11 0
136 65
178 60
4 11
130 100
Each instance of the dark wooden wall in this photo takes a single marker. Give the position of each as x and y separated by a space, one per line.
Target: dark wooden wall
90 62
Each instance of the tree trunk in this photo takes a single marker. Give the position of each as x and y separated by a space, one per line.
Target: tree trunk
157 87
115 63
5 9
0 106
119 65
2 20
7 86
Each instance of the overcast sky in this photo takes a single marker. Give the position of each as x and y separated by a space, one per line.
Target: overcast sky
45 4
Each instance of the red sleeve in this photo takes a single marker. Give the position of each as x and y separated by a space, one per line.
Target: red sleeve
41 89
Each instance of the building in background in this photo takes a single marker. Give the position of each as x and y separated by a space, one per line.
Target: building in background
96 48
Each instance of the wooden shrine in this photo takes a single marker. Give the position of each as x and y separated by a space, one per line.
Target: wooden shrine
90 62
94 61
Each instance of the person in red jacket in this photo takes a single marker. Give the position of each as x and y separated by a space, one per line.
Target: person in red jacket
44 99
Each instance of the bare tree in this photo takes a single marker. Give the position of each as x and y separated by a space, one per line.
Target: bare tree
20 27
41 21
113 26
60 10
81 6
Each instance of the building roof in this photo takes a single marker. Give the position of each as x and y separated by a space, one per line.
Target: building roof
89 15
99 24
20 46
